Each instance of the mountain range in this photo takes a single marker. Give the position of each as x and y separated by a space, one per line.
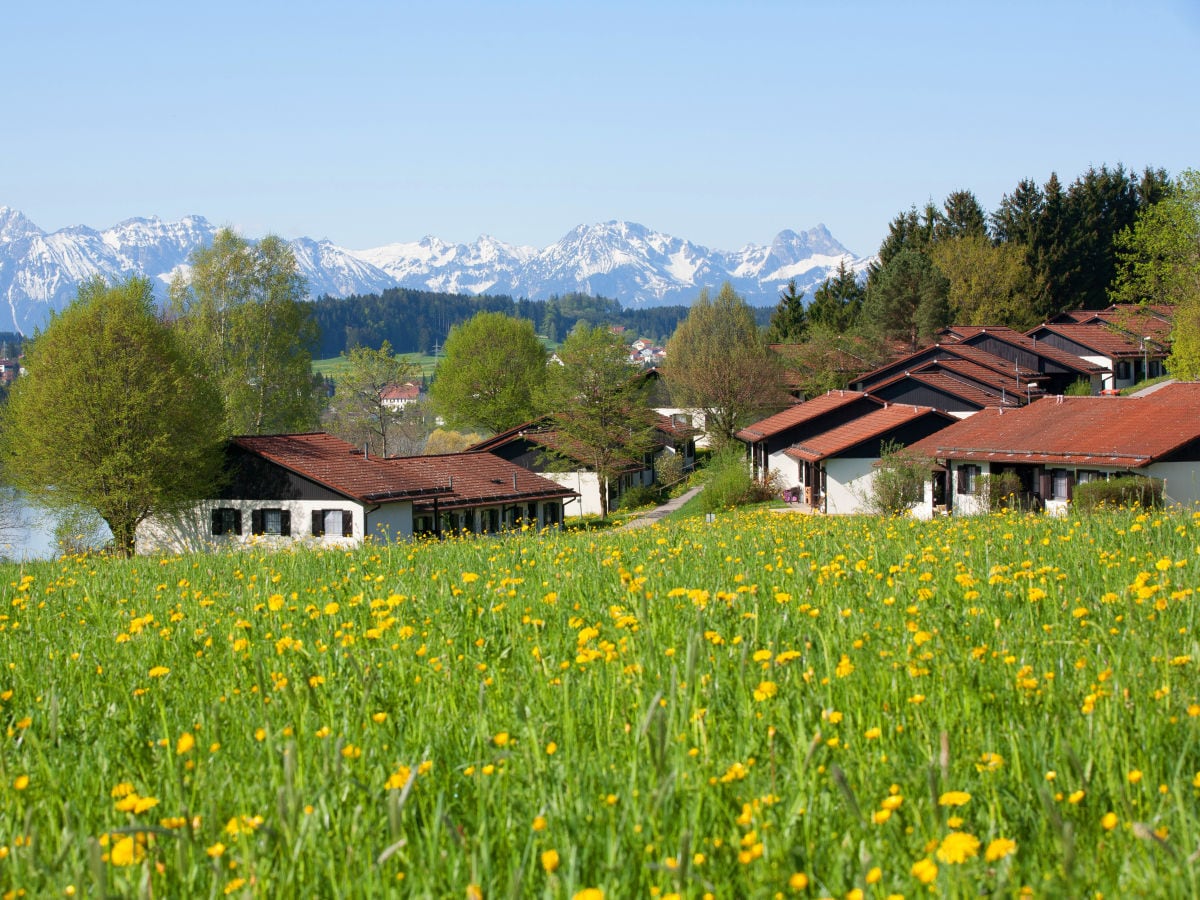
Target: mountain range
39 270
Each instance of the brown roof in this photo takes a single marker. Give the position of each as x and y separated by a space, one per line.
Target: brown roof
1126 432
476 479
865 428
968 391
456 479
999 365
1038 348
336 464
795 415
406 391
1104 341
542 433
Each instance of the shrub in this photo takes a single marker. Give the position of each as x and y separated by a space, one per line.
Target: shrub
641 495
899 482
730 483
999 492
1128 490
1081 387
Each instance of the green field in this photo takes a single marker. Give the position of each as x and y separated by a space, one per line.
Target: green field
336 366
770 705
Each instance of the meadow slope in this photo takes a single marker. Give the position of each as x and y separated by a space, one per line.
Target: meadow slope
763 706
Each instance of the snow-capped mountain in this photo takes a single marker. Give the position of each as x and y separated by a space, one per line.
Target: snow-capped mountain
40 271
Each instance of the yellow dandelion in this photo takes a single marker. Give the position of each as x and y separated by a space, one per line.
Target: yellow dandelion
185 743
539 823
549 860
925 870
765 690
501 739
954 798
21 782
1108 821
1134 776
159 671
958 847
1000 848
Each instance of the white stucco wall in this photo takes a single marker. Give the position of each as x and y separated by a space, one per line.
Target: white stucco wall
1182 478
586 484
192 530
847 482
390 522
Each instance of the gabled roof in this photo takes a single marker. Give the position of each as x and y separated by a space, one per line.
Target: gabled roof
337 465
406 391
970 392
541 433
454 479
969 334
1000 366
1099 339
476 479
798 414
1123 432
873 425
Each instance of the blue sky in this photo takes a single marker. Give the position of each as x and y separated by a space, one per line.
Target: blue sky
721 122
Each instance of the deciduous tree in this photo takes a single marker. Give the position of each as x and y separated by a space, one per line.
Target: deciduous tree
597 404
491 374
114 414
242 307
718 362
1159 262
360 411
989 284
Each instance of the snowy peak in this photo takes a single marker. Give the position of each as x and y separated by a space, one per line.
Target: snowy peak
14 225
636 265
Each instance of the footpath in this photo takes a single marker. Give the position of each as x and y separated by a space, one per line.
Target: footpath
661 512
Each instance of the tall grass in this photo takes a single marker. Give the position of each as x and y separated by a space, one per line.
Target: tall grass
767 704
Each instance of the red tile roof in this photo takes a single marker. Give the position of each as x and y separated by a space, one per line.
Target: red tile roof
1104 341
865 428
1039 348
970 392
1126 432
999 365
476 479
795 415
456 479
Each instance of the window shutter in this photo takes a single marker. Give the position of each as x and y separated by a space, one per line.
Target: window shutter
256 521
285 523
1071 486
216 522
347 523
1047 485
318 522
237 521
962 479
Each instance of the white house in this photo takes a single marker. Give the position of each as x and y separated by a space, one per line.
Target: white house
1058 442
318 489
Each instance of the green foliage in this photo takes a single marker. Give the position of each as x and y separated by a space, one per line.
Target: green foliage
358 413
899 481
492 372
443 440
418 322
241 310
837 302
989 284
717 361
1126 491
114 415
908 298
999 492
728 483
598 406
79 530
789 322
1159 260
668 469
1081 387
639 496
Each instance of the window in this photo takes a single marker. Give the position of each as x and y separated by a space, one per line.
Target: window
271 521
226 520
968 477
333 522
1123 370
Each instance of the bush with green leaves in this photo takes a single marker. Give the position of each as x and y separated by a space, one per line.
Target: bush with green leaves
998 492
1126 491
899 482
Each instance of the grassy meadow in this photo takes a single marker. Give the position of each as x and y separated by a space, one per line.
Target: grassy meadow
765 706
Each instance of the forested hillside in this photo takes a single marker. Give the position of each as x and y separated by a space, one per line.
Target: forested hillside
419 321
